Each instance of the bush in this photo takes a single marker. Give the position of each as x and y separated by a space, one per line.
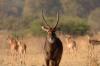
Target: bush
94 20
75 26
18 26
35 28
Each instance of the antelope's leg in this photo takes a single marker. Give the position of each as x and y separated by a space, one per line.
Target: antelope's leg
47 61
12 52
58 61
53 63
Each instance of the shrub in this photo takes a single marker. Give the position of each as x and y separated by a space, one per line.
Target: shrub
75 26
35 28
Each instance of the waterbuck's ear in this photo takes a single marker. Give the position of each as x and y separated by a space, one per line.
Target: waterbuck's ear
45 28
57 29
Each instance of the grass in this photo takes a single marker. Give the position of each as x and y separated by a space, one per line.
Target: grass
34 55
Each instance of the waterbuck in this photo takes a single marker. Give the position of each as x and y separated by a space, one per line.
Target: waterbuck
53 48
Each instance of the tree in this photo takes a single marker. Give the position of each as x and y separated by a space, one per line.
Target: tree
94 20
31 7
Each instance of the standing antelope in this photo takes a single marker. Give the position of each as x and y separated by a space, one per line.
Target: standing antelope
92 41
16 45
21 48
13 44
71 43
53 48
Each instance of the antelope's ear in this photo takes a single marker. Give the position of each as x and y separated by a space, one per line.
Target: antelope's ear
45 28
57 29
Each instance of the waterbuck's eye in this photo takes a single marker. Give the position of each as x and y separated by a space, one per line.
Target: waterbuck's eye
49 32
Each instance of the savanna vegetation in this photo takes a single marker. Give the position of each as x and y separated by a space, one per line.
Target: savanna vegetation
24 16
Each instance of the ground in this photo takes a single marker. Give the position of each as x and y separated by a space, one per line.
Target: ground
34 54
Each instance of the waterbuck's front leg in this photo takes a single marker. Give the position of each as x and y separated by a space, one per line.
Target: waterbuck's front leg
47 62
53 63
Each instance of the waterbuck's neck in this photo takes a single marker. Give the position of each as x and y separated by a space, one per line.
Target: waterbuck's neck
51 38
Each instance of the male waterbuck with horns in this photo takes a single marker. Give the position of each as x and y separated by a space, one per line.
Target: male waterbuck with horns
53 48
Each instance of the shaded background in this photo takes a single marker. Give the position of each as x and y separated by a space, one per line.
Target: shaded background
25 15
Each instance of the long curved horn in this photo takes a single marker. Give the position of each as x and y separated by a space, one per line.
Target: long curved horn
44 19
57 19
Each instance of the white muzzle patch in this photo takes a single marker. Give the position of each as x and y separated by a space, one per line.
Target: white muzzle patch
51 40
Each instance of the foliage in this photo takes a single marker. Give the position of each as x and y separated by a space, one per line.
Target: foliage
14 24
33 7
21 16
35 28
75 26
23 26
94 20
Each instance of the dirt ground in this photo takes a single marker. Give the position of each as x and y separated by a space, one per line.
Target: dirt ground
34 54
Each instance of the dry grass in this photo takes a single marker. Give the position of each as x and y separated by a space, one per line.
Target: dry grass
34 54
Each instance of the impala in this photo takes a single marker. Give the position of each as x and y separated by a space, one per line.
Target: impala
22 47
93 42
13 44
16 46
71 43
